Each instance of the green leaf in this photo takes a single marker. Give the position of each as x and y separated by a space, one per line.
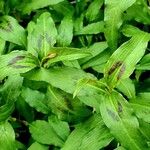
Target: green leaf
142 16
65 107
89 92
78 23
60 127
93 28
113 19
16 62
130 30
122 62
74 74
11 31
64 8
119 118
24 109
127 87
89 135
99 68
95 49
7 140
38 146
27 6
145 128
58 77
2 46
11 89
57 100
9 93
141 106
65 31
98 60
41 35
64 54
36 100
144 63
44 133
2 6
81 6
72 63
93 10
6 110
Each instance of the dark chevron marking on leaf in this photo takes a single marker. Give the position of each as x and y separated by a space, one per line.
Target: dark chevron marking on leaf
120 108
14 60
114 67
112 115
48 38
41 38
122 70
40 41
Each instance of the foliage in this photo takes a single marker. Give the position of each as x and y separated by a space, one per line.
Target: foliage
74 74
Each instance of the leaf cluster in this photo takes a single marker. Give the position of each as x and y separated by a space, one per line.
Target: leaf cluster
74 74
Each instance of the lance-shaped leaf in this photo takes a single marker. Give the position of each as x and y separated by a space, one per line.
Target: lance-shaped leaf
130 30
127 87
36 100
142 16
64 54
89 92
2 6
6 110
65 107
44 133
72 63
94 49
119 118
98 60
7 140
24 109
93 28
11 31
93 10
89 135
64 8
141 106
122 62
64 78
144 63
113 19
60 127
58 101
11 89
65 31
145 128
41 35
28 6
78 23
16 62
9 93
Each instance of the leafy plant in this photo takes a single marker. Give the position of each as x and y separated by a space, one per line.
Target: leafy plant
74 75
